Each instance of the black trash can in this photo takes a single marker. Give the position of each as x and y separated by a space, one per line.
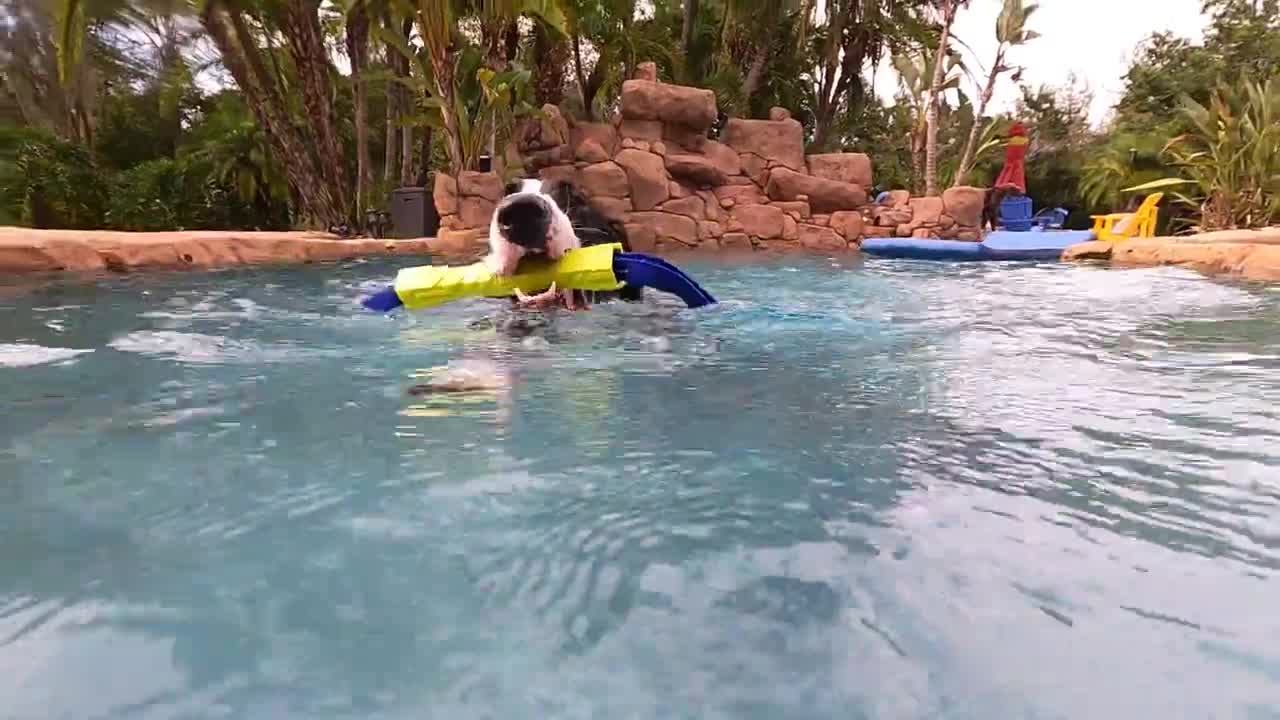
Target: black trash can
413 213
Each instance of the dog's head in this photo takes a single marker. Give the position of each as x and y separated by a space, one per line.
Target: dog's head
528 216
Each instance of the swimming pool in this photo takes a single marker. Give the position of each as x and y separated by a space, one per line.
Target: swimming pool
855 488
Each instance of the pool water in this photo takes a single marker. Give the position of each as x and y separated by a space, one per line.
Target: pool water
854 489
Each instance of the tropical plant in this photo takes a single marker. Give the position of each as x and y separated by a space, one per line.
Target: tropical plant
1011 31
448 65
915 77
947 11
1232 156
55 183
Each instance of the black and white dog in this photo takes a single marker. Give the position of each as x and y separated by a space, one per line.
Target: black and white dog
548 218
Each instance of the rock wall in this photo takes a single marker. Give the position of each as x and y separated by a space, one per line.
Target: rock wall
25 250
957 215
654 169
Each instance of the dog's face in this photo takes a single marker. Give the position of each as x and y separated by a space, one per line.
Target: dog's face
528 221
529 217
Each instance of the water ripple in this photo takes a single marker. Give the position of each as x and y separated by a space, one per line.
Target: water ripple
853 488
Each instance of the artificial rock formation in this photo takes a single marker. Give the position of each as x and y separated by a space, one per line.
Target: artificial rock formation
30 250
1251 254
957 215
654 168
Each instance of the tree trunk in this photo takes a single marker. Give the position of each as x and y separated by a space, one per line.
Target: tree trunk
301 28
551 55
832 82
497 38
970 145
935 93
358 52
511 39
424 165
241 57
582 77
406 156
687 32
917 160
752 82
406 106
391 148
442 70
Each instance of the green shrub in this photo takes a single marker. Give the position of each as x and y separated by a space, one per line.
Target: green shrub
49 183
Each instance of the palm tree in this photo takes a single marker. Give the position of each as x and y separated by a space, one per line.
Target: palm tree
357 42
437 27
915 75
947 10
1011 31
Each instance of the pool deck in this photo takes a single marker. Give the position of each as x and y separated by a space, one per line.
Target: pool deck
1251 254
24 250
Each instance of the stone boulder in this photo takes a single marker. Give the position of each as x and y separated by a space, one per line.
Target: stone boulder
674 104
816 237
645 130
537 160
710 204
591 151
548 131
740 195
475 211
697 170
725 158
762 221
735 241
613 208
790 228
926 211
690 139
691 206
798 209
444 192
564 173
755 167
849 224
779 142
641 237
778 114
825 196
604 179
667 227
964 204
647 177
480 184
604 134
852 168
1091 250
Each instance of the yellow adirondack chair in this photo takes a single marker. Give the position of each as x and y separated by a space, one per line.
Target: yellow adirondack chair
1120 226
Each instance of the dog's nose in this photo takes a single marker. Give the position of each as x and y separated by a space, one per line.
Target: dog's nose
525 220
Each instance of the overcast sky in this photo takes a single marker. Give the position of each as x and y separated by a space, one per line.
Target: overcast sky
1092 38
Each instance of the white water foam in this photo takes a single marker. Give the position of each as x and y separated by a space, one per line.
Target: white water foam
26 355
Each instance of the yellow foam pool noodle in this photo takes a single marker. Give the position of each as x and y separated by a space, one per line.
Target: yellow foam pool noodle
588 268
